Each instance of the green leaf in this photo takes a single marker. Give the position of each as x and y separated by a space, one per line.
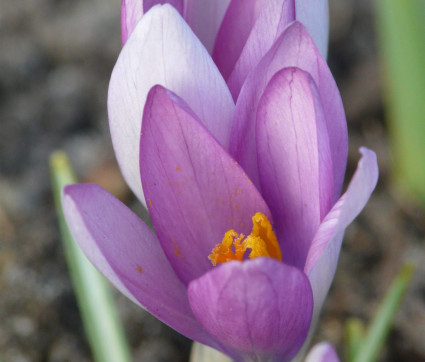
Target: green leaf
100 319
354 337
381 323
401 30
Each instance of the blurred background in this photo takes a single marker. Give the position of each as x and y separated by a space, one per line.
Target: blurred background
56 57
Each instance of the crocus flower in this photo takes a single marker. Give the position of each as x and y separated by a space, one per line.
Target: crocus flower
238 32
244 198
322 352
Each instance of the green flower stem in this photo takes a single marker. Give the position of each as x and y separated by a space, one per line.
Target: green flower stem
100 319
354 337
381 323
202 353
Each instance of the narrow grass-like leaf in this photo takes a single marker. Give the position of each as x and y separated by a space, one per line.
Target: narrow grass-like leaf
102 325
401 30
381 323
354 337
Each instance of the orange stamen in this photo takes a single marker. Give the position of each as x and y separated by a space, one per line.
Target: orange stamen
262 242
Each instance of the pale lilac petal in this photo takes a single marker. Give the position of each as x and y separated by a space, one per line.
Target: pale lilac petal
259 309
177 4
195 191
294 160
323 256
205 17
273 19
133 10
131 13
163 50
314 14
128 253
345 210
294 48
237 24
322 352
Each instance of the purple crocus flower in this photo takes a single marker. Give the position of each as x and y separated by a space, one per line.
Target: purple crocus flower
322 352
238 32
244 198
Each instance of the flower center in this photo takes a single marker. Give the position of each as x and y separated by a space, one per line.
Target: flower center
262 242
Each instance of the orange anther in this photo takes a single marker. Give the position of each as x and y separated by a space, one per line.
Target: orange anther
262 242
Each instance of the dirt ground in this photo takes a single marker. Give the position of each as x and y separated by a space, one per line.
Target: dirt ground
56 57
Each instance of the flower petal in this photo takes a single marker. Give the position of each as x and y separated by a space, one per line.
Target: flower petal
342 214
128 253
322 352
293 48
238 22
195 191
148 4
163 50
259 309
131 13
294 160
133 10
273 19
314 14
205 17
323 255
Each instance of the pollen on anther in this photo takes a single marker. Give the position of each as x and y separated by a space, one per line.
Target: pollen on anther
262 242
